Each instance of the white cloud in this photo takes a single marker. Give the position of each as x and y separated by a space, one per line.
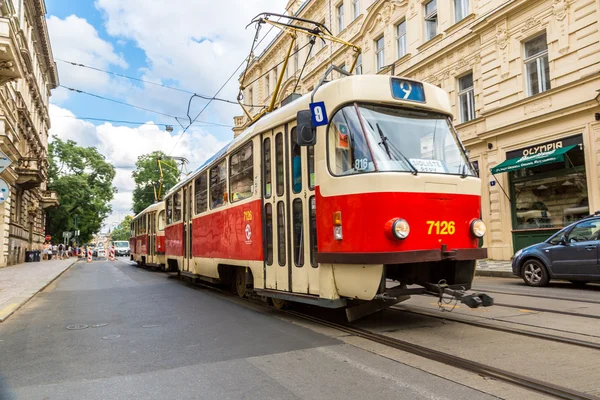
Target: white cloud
75 39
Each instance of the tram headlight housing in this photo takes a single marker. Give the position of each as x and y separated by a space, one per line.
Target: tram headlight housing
478 228
400 229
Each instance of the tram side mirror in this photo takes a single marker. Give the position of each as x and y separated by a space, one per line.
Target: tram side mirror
306 134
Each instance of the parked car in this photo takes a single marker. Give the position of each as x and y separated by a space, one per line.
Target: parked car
573 253
99 251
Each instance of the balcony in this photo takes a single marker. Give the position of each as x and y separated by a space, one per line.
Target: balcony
10 67
49 199
30 173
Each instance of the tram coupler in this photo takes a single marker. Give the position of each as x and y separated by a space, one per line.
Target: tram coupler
473 300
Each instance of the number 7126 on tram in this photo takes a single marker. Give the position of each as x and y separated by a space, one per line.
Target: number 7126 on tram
342 198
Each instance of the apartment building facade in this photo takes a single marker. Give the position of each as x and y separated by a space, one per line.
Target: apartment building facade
27 75
523 78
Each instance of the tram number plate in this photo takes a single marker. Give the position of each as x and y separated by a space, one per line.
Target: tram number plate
441 227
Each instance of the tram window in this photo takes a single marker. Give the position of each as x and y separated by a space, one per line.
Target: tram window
177 206
269 233
298 229
200 193
296 163
281 233
347 144
169 208
161 221
267 163
279 163
241 170
313 231
310 150
218 182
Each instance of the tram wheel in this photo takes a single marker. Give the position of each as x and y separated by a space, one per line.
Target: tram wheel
279 303
241 286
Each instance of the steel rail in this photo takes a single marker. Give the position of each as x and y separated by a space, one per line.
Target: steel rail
517 331
572 314
538 296
455 361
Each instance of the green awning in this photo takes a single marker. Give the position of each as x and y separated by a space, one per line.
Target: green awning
534 160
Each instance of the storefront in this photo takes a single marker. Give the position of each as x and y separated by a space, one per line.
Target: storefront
547 188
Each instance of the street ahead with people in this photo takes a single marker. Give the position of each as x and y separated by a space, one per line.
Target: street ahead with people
299 199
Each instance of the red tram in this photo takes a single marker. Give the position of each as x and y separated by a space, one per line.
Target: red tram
385 193
147 242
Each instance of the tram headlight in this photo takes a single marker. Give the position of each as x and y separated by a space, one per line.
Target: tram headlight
400 229
478 228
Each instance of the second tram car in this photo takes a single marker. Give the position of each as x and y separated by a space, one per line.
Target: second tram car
147 243
385 193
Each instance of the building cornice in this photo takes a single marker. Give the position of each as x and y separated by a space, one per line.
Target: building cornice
39 24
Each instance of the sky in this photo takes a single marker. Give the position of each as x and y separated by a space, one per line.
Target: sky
190 45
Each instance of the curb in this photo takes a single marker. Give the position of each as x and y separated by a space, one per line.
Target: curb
13 307
495 274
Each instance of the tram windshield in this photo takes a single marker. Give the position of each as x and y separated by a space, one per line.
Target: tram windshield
369 138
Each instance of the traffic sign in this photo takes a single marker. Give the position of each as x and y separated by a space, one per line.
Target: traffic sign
4 191
4 161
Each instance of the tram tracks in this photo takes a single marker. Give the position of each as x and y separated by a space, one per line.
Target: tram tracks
520 380
538 296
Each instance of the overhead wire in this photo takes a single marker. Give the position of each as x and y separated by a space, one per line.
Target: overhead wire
226 82
199 123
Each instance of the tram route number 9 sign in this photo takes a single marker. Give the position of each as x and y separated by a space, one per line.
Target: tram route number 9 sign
319 113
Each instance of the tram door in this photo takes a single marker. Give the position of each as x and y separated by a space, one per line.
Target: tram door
275 213
187 228
151 236
300 197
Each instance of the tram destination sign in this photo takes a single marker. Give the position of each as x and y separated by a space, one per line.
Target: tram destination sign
403 89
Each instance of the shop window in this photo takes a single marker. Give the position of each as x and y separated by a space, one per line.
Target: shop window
401 39
241 173
466 98
551 195
298 229
340 17
461 9
281 233
161 220
380 53
313 231
200 193
269 233
267 168
358 69
355 8
296 163
177 206
310 150
536 65
169 208
279 163
218 184
431 20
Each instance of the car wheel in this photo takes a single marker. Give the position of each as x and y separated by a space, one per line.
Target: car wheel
534 273
579 283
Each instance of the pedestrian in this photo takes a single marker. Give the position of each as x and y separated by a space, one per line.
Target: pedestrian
54 251
47 254
61 251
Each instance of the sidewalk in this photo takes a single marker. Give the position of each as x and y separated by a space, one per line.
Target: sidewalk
501 269
19 283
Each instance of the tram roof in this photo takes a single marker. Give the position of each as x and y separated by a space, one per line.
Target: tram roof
367 88
151 207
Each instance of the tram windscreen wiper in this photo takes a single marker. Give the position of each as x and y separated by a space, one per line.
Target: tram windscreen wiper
397 152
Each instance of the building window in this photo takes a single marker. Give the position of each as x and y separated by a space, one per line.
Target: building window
321 41
267 86
431 20
241 173
466 98
250 101
536 65
200 193
356 8
296 58
401 39
461 9
380 53
218 182
340 17
358 67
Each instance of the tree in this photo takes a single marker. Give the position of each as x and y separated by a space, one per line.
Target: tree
83 180
122 231
147 175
